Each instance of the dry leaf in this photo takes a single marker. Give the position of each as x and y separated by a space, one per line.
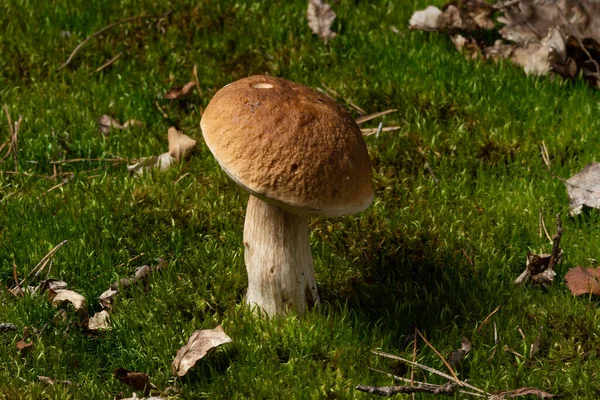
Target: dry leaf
162 162
320 17
197 346
50 284
179 144
584 189
23 345
177 92
106 298
583 280
425 20
106 123
99 322
70 296
457 356
137 380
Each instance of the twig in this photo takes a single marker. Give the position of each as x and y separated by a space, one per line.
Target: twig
162 112
450 369
485 321
131 259
402 379
106 28
195 74
373 131
44 261
543 226
109 62
426 368
521 333
437 182
369 117
556 252
446 389
116 160
17 289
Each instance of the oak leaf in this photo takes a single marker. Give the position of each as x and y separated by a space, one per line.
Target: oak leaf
197 346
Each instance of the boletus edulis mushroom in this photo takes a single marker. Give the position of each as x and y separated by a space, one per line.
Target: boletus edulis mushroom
300 155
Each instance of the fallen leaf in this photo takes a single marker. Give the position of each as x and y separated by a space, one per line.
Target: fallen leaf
106 298
584 189
99 322
197 346
162 162
137 380
457 356
320 18
141 274
106 123
511 394
583 280
179 144
23 345
61 296
51 382
177 92
50 284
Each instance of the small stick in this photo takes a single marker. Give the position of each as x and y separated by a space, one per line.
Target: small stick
485 321
195 74
116 159
447 389
44 261
350 103
131 259
369 117
101 31
450 369
437 182
16 277
543 226
162 112
521 332
556 243
109 62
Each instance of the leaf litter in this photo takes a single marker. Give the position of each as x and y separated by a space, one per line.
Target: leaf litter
139 381
106 123
181 91
583 280
553 37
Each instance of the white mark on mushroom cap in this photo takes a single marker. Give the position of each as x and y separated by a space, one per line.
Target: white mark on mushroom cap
262 85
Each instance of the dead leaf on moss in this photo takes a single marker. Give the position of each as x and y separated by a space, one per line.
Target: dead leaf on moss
144 164
583 280
24 345
51 382
63 295
457 356
137 380
320 18
179 144
197 346
584 189
99 322
182 91
106 123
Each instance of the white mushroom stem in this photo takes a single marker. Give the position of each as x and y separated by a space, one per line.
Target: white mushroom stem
278 260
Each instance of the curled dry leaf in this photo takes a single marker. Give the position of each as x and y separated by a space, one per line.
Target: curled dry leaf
320 18
50 382
137 380
106 298
162 162
583 280
584 189
99 322
179 144
197 346
23 345
177 92
61 296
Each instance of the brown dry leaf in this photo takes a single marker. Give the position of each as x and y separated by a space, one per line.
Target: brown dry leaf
50 284
23 345
583 280
457 356
320 17
177 92
106 298
137 380
511 394
584 189
465 15
63 295
179 144
197 346
162 162
99 322
106 123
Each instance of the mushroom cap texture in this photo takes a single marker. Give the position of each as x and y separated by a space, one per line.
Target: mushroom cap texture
290 146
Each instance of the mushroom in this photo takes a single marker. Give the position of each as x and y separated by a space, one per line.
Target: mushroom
300 155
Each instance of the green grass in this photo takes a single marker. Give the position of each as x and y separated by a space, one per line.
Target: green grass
398 265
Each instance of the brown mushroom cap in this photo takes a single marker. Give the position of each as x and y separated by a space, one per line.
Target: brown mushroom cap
290 146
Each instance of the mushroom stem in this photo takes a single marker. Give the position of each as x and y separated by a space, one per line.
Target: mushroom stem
279 263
